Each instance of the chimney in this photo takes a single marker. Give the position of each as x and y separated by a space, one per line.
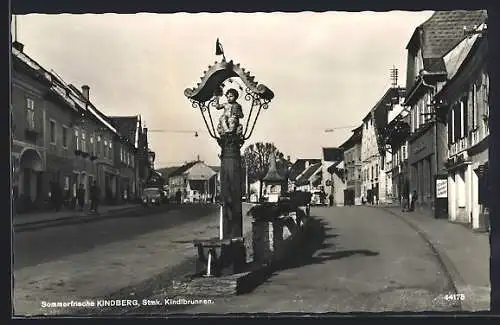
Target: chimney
288 158
307 164
18 46
86 92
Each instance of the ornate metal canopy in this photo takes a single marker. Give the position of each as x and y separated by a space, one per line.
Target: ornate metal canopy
202 96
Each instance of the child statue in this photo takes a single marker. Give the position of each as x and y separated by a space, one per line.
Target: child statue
229 120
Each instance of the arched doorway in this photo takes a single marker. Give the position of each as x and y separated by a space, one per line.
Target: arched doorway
30 168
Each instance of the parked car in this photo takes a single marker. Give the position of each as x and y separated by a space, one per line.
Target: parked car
151 196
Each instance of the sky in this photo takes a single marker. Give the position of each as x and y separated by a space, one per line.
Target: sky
327 70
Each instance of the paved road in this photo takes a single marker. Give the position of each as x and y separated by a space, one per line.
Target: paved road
357 259
130 257
43 245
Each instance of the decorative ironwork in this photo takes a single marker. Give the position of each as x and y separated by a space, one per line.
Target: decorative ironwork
214 79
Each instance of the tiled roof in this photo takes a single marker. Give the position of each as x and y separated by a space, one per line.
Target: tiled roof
304 178
126 126
179 171
332 154
445 29
299 166
68 93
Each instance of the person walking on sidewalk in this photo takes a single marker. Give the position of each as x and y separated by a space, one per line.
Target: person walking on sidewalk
414 198
95 194
80 197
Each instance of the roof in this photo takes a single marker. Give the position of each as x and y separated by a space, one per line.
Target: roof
181 170
471 58
299 166
307 174
215 168
167 171
335 169
62 89
442 32
354 139
332 154
126 126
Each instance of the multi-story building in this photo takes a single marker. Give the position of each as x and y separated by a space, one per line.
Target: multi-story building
126 150
397 132
58 136
29 130
338 183
352 166
374 149
331 156
426 74
463 104
195 180
392 149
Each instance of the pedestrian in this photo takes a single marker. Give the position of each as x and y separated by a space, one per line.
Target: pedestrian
330 199
404 201
52 189
95 194
80 197
414 198
178 196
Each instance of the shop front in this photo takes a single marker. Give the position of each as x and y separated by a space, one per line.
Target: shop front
422 165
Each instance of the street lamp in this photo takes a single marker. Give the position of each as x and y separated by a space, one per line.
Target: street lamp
230 133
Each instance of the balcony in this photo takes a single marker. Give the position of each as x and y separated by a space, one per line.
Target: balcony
459 146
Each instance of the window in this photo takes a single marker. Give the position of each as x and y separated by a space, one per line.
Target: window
64 136
105 148
121 153
404 152
110 153
99 151
52 132
30 113
462 117
376 170
473 106
92 146
84 143
452 129
77 141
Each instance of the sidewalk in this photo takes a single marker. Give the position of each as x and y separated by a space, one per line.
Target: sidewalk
33 218
464 253
117 269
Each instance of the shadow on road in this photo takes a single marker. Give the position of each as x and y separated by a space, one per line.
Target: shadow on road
318 247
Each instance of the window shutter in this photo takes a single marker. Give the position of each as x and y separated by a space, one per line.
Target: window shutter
456 121
450 125
467 122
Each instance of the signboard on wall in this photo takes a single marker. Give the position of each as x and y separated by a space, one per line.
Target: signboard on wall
441 188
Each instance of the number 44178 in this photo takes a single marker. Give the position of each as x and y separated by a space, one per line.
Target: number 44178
455 297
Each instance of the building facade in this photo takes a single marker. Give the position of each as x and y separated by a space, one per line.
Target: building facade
397 134
196 181
463 104
426 75
353 167
58 136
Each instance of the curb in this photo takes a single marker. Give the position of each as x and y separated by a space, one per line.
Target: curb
119 213
458 283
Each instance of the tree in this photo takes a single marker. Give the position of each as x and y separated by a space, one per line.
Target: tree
256 157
